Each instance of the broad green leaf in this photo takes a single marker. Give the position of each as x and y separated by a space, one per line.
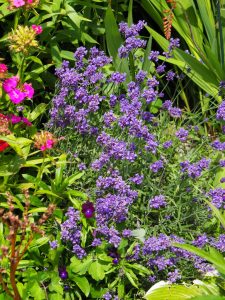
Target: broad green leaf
80 267
131 279
76 194
200 74
39 242
83 284
60 167
96 270
217 213
10 165
35 59
37 210
208 298
55 53
39 109
74 177
67 55
113 37
47 192
130 13
20 145
146 66
35 72
74 16
165 291
212 255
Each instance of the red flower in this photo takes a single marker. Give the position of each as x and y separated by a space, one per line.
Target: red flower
3 145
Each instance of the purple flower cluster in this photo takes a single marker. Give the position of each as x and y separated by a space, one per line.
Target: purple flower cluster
162 255
137 179
220 146
113 149
131 41
157 202
220 115
218 197
182 134
71 232
174 112
75 83
195 170
156 166
118 77
117 197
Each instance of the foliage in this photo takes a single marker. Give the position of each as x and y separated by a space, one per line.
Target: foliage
100 174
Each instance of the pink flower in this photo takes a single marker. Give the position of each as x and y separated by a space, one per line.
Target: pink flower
15 119
49 144
26 121
16 96
37 29
10 84
28 90
43 148
3 68
29 1
18 3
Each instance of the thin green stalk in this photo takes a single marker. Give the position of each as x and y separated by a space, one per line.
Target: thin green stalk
221 33
16 20
21 69
132 68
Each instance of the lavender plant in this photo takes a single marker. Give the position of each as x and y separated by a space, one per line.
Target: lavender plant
148 169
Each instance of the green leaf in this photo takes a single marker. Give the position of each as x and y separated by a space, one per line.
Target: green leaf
47 192
96 270
83 284
217 213
80 267
35 59
212 255
55 53
39 242
130 13
165 291
39 110
77 194
113 37
74 177
10 165
67 55
204 77
131 279
37 210
208 298
74 16
35 72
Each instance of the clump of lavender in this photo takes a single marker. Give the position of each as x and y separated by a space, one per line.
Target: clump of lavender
195 170
157 202
132 42
71 232
139 152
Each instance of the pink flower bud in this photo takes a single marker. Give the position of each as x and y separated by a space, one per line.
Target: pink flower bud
37 29
3 68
